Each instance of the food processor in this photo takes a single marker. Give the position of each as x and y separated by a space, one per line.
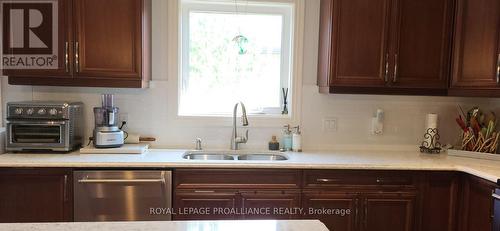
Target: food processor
107 134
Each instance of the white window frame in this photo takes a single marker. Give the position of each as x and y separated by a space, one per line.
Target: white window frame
175 38
271 8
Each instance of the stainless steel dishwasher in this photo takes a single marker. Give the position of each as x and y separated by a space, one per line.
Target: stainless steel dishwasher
122 195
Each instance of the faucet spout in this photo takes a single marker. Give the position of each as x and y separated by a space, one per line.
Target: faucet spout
235 139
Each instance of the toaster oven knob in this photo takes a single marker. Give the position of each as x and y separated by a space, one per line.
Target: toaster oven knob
30 111
18 111
41 111
53 112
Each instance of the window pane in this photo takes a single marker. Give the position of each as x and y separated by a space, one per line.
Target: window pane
218 74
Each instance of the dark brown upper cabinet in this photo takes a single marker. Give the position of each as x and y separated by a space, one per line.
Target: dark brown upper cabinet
385 46
476 50
102 44
64 35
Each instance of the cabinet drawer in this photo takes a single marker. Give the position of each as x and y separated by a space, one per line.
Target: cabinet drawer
236 178
357 178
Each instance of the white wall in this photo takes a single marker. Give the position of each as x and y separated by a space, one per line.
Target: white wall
150 111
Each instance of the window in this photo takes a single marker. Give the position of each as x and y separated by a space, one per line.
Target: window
235 51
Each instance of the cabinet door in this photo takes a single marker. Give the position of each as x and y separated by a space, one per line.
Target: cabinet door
317 205
108 39
440 201
270 204
476 46
359 47
205 204
477 205
423 37
389 212
35 195
63 46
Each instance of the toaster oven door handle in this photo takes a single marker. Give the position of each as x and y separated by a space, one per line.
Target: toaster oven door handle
36 122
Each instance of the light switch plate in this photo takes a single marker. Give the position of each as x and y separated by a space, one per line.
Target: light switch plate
330 124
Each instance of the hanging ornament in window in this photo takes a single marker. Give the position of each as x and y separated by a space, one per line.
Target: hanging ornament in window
240 40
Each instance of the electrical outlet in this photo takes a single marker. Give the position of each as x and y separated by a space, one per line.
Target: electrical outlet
330 124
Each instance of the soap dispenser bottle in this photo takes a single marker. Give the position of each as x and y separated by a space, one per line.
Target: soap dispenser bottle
287 138
297 140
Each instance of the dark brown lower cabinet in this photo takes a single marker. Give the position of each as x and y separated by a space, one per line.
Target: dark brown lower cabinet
279 205
36 195
476 204
325 205
389 212
384 211
440 191
205 204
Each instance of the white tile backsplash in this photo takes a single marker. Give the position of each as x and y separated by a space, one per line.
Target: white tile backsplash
149 114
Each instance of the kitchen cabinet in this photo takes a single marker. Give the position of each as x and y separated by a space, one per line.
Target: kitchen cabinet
282 205
476 209
63 36
389 211
220 190
476 50
104 44
36 195
190 204
316 205
377 200
440 194
384 47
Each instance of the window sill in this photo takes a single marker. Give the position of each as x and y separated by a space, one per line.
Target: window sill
265 121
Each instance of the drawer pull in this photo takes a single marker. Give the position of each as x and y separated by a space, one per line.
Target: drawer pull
325 180
204 191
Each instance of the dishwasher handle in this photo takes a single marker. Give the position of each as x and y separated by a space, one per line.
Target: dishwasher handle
100 181
495 196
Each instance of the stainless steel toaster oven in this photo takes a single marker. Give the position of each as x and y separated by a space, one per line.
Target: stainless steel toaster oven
44 126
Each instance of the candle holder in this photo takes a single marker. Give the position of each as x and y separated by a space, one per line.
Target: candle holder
431 142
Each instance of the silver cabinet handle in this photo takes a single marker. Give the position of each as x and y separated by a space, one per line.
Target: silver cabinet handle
77 57
98 181
65 189
324 180
204 191
66 57
498 69
496 196
386 76
395 77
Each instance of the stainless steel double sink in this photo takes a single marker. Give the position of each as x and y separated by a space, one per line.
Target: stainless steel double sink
258 156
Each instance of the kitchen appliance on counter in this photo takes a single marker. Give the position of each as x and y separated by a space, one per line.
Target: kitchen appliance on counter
107 134
496 215
35 126
122 195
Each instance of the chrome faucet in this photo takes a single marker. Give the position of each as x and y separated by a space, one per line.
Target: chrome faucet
235 139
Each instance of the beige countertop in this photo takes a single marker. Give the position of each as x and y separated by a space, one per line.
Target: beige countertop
347 159
268 225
